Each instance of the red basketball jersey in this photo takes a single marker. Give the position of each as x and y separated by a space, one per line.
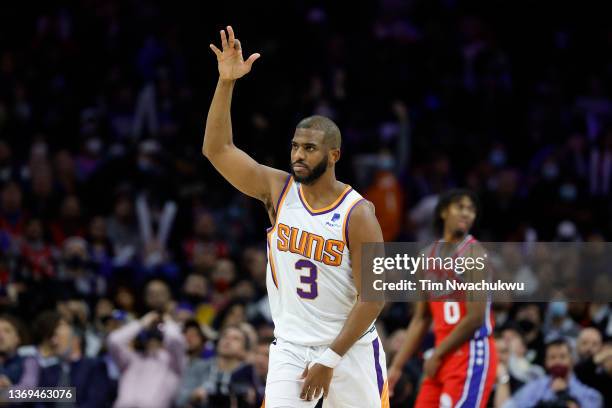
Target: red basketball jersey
448 313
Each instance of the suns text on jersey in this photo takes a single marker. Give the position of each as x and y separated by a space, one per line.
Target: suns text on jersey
310 245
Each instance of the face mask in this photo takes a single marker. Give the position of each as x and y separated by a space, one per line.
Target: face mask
221 285
526 325
558 371
557 309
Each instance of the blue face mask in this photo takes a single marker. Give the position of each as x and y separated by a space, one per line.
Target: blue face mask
557 309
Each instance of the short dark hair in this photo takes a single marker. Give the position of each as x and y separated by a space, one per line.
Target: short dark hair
193 324
449 197
332 136
45 325
558 341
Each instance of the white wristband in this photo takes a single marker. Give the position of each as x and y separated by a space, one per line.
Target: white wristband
329 358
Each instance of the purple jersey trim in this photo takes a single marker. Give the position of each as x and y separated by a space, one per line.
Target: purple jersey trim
348 219
379 375
345 194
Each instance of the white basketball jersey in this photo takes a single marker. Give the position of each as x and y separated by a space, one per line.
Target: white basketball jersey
309 277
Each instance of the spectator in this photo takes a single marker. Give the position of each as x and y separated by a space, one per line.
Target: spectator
560 386
158 297
601 317
12 215
156 366
196 349
196 295
529 319
512 367
204 233
596 372
77 270
223 378
588 344
37 255
125 299
42 354
72 368
100 248
11 363
123 231
521 370
558 323
70 223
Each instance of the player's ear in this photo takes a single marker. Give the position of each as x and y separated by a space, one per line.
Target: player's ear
334 155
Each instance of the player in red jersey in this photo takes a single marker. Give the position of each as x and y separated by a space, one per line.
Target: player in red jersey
461 370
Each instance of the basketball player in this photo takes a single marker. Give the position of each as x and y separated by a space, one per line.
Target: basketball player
461 370
326 343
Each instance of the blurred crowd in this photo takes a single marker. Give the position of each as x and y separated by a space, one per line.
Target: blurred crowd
131 270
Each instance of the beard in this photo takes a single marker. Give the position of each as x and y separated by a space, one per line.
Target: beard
313 174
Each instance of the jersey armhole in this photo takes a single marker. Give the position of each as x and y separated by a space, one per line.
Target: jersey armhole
345 227
280 201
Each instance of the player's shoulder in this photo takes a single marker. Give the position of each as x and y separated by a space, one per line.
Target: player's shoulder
476 247
362 208
279 181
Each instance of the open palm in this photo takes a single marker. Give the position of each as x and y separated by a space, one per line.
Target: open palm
230 62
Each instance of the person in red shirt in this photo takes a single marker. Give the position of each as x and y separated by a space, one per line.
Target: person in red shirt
460 372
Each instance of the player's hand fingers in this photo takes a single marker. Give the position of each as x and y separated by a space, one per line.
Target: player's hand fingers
312 392
216 50
223 40
317 394
325 390
232 38
252 59
304 392
237 45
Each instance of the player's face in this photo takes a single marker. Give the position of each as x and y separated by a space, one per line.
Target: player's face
459 216
309 155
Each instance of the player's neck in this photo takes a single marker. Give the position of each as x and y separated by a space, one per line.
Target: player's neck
323 191
453 237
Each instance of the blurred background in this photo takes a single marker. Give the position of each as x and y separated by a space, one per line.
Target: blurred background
108 211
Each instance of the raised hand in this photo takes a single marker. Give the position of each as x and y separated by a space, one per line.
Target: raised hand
230 62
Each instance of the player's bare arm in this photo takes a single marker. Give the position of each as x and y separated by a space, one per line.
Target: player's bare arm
363 228
474 318
237 167
416 331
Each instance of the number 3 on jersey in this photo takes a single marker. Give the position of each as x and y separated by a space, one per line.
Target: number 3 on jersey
309 279
452 313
